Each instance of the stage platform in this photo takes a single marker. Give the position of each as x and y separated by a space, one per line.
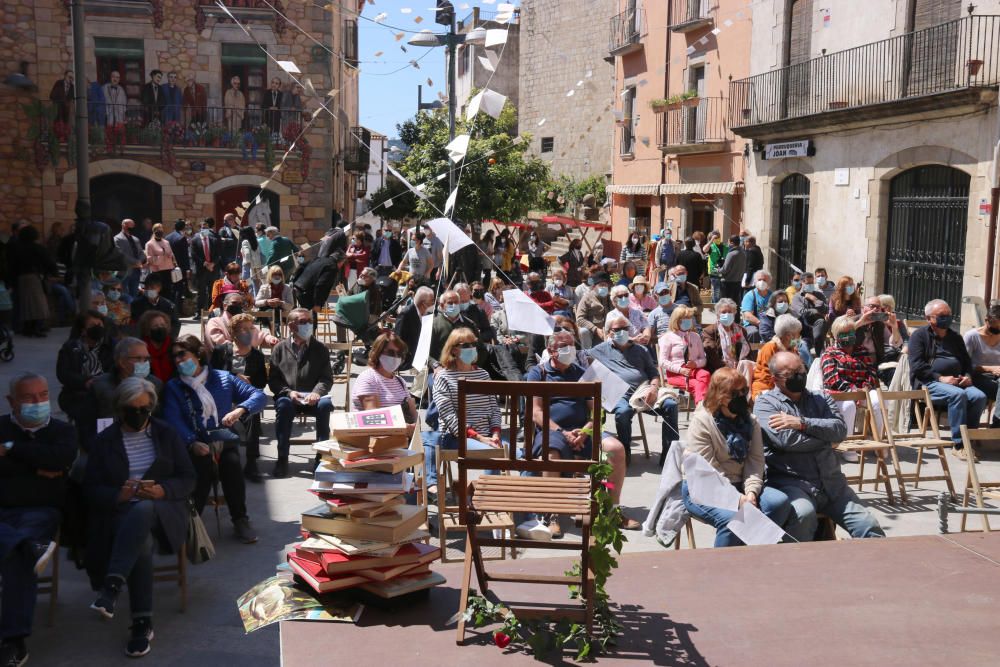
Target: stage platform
928 600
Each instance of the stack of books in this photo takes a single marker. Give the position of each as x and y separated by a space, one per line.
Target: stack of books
362 534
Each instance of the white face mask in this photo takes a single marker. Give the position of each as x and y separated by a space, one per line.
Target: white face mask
389 362
761 285
566 355
558 282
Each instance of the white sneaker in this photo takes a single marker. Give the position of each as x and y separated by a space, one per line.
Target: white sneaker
534 530
850 457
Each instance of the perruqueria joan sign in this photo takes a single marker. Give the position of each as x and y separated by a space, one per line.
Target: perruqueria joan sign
800 148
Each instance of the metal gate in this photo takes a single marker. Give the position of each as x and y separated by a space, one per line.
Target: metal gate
793 227
925 248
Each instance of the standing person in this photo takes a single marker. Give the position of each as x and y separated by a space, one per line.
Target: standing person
983 344
235 106
206 253
30 266
195 100
34 463
634 250
682 356
203 405
274 102
227 233
250 258
386 254
536 252
436 248
137 482
417 260
503 250
160 256
180 247
755 261
573 261
357 254
172 99
283 251
129 246
734 266
62 95
693 261
153 101
716 252
666 254
263 243
486 246
115 101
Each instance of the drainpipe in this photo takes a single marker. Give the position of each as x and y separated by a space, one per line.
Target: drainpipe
991 242
666 91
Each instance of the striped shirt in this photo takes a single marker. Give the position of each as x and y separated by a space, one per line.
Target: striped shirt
390 391
482 412
140 452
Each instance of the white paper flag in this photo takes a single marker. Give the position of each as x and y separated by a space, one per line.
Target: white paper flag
495 37
458 147
449 233
492 102
424 342
753 527
405 182
707 486
289 67
612 386
487 65
449 206
525 315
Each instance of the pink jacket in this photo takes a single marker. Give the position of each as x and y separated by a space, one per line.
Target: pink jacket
646 303
159 255
217 333
673 344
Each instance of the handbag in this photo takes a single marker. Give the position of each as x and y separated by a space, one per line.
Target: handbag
176 275
199 545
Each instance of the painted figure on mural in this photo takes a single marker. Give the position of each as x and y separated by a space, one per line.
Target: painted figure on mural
63 92
293 106
172 99
194 99
96 111
274 101
115 103
235 104
153 101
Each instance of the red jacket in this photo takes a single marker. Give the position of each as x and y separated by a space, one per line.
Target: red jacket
161 364
544 300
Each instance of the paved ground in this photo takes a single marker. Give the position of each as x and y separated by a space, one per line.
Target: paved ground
210 631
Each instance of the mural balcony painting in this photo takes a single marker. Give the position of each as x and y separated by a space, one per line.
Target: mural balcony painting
946 69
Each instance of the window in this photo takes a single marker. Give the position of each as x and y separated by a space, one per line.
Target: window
125 56
628 124
248 62
548 144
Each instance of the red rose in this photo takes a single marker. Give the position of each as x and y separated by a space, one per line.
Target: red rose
501 639
608 485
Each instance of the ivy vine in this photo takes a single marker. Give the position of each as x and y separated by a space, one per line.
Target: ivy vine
544 638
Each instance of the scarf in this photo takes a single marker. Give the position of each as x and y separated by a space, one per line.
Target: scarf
737 433
161 365
728 347
208 409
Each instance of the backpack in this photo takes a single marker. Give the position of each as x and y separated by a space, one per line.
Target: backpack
667 255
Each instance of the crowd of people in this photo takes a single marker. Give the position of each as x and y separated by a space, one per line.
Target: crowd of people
155 417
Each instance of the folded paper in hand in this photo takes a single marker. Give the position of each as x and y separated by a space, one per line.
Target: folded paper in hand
612 386
525 315
707 486
424 342
753 527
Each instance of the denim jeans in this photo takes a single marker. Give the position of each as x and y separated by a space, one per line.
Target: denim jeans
844 509
716 287
773 503
285 410
965 406
20 586
132 554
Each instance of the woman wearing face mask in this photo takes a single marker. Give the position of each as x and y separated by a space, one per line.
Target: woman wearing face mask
265 244
725 433
634 250
845 300
536 250
726 343
87 354
628 274
573 262
274 293
640 299
203 405
777 304
562 293
230 283
787 329
137 482
252 260
160 256
847 368
983 344
487 245
458 359
154 330
682 357
118 310
621 299
241 358
379 385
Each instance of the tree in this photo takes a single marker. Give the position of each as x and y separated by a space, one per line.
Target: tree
564 195
497 181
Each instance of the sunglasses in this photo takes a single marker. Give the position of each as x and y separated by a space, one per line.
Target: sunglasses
466 346
619 329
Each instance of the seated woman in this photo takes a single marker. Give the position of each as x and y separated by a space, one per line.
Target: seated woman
725 433
230 283
847 368
246 362
620 299
87 354
137 482
275 293
379 385
777 304
726 343
458 359
154 330
983 344
640 298
787 329
562 294
628 274
203 404
119 313
217 329
682 357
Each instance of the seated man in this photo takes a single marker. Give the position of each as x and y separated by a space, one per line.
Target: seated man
685 293
35 456
131 360
569 425
755 304
593 309
301 379
536 290
449 317
150 299
634 364
940 362
408 322
217 329
658 320
800 429
810 306
487 334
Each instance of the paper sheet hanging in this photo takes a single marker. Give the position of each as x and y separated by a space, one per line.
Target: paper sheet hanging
525 315
495 37
449 205
458 147
451 236
707 486
424 342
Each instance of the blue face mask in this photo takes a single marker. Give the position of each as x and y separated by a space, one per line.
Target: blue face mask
943 321
451 310
306 331
468 355
622 302
809 287
682 278
188 367
602 292
140 369
102 309
114 295
849 290
796 284
727 319
465 305
665 299
686 324
620 337
34 414
590 282
781 308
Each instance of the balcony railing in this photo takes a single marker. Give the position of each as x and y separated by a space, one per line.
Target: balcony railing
625 31
114 127
626 145
688 15
357 152
697 126
958 55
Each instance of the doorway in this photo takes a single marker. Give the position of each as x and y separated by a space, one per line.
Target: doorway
117 196
228 200
793 227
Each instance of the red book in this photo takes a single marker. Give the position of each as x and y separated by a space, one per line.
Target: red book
336 563
320 581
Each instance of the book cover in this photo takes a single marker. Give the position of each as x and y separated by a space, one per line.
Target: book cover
407 556
318 519
339 451
403 585
377 479
380 421
368 491
313 574
351 546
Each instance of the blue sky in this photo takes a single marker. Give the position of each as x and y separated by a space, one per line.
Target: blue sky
389 97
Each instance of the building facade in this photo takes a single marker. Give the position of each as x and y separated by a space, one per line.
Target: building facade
189 117
677 164
563 48
873 126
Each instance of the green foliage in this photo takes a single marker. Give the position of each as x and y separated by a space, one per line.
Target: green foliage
497 181
563 194
547 638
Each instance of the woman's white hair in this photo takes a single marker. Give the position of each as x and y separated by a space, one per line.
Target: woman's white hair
130 389
613 317
787 325
619 290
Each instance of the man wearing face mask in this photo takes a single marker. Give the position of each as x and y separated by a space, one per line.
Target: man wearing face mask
754 303
684 291
487 334
217 331
135 258
755 259
800 430
408 323
132 359
387 253
824 284
86 355
36 452
301 378
449 317
593 309
940 361
658 320
733 267
152 299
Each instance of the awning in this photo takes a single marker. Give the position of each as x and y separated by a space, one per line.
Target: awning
726 188
626 189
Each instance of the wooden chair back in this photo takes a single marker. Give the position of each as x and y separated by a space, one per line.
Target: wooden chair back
868 429
923 407
978 489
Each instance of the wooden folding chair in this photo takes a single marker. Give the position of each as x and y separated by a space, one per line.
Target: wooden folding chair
689 531
50 584
973 486
508 493
345 377
920 400
175 572
866 442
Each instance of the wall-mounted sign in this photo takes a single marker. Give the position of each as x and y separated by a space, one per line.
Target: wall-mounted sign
197 166
801 148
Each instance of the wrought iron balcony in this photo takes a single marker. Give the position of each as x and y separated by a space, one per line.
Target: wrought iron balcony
626 29
905 74
689 15
357 152
696 126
